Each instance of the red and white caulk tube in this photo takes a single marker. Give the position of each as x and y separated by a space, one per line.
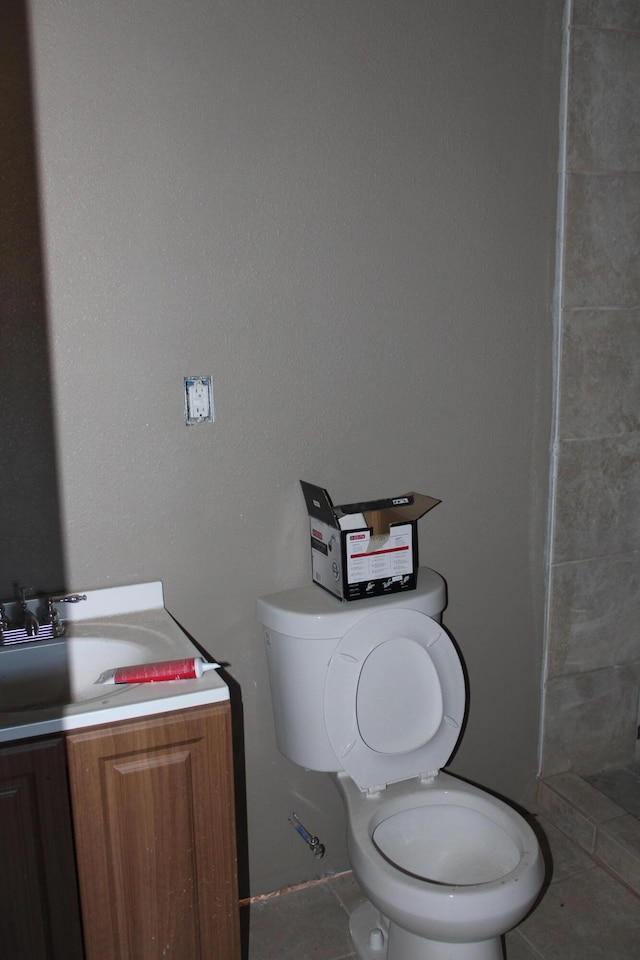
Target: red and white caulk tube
188 669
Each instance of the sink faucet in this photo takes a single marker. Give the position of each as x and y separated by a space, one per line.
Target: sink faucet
30 621
57 625
19 624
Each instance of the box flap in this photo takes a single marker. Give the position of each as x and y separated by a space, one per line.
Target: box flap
319 504
380 519
419 504
379 515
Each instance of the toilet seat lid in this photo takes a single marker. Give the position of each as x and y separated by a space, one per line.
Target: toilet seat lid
394 698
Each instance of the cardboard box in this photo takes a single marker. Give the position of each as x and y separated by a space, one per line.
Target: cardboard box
361 550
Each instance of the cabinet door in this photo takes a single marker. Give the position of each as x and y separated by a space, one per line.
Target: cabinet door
39 913
155 837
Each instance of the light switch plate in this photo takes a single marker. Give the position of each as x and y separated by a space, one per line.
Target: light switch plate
198 400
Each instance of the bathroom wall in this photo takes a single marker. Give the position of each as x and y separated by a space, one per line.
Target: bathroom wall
593 656
345 213
31 548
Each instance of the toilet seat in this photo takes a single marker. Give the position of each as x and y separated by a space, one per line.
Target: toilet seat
394 698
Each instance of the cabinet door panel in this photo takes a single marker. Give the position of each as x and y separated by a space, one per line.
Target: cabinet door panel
154 824
160 844
39 915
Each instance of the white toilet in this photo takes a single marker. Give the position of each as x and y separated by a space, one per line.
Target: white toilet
374 692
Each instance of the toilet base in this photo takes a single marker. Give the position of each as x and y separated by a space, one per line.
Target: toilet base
369 932
375 938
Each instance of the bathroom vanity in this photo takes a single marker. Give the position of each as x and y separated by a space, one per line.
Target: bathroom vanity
133 808
152 805
40 916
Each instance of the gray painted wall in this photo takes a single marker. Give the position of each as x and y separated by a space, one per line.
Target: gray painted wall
344 212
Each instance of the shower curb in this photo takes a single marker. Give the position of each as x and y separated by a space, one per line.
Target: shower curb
604 830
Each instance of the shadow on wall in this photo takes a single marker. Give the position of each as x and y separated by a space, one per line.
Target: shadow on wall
31 552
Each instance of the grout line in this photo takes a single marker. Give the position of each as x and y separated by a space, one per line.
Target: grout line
597 28
340 902
531 946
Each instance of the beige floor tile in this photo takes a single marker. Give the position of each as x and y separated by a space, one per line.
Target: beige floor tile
307 924
585 917
517 948
346 889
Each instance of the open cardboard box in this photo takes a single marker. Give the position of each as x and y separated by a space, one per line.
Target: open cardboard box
368 549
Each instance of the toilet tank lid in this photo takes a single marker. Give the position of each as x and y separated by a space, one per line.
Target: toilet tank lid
312 613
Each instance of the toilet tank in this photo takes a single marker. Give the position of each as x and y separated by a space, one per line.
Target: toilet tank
301 628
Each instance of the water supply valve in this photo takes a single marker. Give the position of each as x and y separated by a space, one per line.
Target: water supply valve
313 843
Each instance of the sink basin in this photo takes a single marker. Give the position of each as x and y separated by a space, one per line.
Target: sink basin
49 686
49 673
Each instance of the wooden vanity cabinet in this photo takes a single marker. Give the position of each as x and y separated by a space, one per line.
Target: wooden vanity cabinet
39 912
153 817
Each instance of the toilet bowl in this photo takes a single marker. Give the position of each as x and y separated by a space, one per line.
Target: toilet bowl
374 692
444 861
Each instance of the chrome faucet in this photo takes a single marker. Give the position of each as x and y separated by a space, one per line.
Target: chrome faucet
30 621
57 626
19 624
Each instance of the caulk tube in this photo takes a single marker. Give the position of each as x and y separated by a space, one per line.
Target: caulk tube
187 669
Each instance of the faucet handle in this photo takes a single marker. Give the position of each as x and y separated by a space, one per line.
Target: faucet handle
57 625
71 598
30 621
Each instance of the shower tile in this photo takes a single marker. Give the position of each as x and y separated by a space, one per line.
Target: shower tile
598 498
618 847
602 241
600 371
626 830
571 822
585 798
566 857
604 110
620 785
590 720
594 611
611 14
575 808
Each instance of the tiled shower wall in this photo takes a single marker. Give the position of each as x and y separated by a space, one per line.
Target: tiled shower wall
593 640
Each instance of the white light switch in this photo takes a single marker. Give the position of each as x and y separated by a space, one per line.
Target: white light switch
198 400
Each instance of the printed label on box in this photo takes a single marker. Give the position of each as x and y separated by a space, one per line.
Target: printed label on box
374 557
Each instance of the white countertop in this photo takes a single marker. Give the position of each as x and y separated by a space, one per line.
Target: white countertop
135 617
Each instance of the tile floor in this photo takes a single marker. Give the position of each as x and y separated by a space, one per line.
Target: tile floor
584 914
